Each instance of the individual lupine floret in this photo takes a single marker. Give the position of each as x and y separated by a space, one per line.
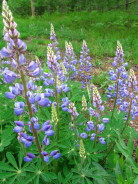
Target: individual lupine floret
93 137
31 86
19 108
46 156
14 91
35 123
89 126
61 87
102 140
47 128
55 154
25 139
29 157
9 76
93 112
49 92
41 100
101 127
84 135
105 120
19 127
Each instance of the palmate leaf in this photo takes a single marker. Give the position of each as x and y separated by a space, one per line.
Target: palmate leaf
6 175
11 159
6 138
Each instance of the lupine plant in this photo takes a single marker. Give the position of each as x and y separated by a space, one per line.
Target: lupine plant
64 132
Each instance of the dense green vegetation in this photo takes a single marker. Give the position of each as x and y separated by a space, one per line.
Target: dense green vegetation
23 7
100 30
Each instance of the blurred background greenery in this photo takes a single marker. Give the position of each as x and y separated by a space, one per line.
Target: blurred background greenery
100 22
23 7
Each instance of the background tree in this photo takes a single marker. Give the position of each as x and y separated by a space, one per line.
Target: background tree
32 8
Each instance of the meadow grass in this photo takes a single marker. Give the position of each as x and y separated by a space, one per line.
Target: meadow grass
100 30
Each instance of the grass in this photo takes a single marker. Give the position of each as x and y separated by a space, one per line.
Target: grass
100 30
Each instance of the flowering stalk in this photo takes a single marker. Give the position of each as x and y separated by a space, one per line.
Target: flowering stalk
129 105
15 53
31 115
119 76
82 152
12 37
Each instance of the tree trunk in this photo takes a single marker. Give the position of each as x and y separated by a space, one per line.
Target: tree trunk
32 8
127 2
117 4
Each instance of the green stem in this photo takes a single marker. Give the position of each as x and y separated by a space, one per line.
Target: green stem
57 109
114 107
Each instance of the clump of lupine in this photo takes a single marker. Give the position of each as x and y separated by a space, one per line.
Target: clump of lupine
26 73
129 103
23 76
119 76
95 126
124 88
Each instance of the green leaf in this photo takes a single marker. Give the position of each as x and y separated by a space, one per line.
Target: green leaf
36 180
51 175
60 178
136 180
11 180
20 158
118 172
68 177
11 159
88 181
29 178
6 167
45 178
6 175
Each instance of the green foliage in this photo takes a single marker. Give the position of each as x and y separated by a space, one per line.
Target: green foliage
20 7
100 30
